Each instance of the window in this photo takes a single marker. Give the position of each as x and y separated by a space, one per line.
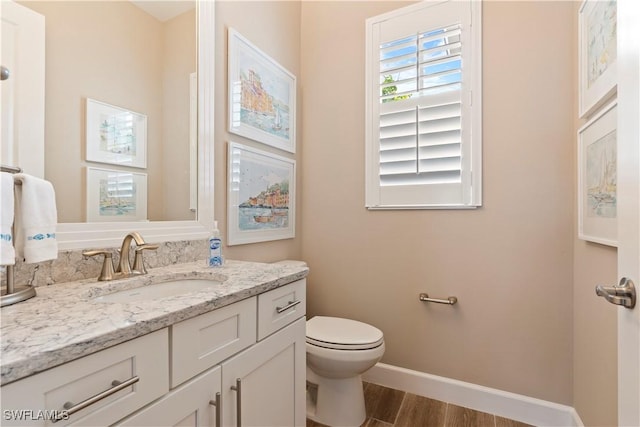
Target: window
424 107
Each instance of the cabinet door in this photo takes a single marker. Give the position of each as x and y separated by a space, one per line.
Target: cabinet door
188 405
272 379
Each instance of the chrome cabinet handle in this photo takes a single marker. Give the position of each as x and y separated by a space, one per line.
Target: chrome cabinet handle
69 408
238 390
289 305
218 404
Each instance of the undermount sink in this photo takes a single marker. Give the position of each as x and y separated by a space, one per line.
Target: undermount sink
159 290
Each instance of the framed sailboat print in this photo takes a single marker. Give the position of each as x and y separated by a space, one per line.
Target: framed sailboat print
597 54
262 96
115 195
597 178
261 195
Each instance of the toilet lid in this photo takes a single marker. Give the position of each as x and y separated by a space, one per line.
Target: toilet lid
342 334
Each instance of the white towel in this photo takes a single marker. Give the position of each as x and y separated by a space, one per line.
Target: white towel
7 252
36 219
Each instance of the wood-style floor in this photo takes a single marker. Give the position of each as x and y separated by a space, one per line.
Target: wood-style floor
387 407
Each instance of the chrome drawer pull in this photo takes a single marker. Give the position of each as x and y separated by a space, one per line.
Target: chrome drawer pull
218 404
238 390
289 305
69 408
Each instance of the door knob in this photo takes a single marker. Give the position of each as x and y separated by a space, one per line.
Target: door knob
623 294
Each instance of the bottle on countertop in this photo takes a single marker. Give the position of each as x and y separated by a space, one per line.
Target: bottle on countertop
215 247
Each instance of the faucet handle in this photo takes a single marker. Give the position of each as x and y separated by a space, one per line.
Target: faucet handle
138 262
107 272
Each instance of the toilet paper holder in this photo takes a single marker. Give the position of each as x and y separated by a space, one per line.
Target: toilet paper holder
450 300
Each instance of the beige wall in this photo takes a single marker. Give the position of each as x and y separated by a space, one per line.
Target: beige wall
595 357
509 263
80 51
179 61
274 27
86 58
595 336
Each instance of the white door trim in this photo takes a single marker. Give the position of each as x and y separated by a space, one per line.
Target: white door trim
628 189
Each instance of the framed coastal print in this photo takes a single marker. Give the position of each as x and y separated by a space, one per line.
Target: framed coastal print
597 41
597 178
115 135
261 195
116 195
262 96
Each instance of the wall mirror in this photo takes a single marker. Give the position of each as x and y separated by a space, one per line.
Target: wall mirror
138 75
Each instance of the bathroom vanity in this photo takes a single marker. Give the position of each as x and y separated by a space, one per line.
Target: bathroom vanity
232 354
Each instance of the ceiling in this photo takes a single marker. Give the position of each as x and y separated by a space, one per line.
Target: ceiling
165 10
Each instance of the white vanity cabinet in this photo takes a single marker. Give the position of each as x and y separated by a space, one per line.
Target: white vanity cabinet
240 365
258 344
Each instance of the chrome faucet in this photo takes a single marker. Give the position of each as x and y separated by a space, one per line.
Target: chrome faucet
124 265
124 268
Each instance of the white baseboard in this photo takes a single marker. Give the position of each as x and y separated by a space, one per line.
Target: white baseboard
517 407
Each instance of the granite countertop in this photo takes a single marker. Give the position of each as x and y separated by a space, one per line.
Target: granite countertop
66 321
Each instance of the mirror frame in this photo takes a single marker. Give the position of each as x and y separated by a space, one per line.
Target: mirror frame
72 236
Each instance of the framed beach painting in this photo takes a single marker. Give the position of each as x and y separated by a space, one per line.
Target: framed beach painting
261 195
597 41
262 96
116 195
597 178
115 135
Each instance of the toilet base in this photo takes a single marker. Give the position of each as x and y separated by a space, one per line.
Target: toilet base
335 402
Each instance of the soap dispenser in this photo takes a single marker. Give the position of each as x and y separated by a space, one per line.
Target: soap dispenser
215 247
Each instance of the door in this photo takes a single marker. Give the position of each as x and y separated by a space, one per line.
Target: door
629 208
193 404
264 386
22 94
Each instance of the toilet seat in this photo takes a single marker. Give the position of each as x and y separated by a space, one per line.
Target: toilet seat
342 334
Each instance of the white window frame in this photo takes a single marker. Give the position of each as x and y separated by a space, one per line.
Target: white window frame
429 196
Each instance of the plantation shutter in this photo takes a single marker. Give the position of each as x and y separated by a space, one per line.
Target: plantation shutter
419 131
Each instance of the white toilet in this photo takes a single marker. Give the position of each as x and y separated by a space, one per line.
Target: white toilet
338 352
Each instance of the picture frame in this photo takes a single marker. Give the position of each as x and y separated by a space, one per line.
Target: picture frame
261 195
597 54
262 96
115 195
597 178
115 135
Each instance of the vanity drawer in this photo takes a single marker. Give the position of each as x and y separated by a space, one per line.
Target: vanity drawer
208 339
281 306
33 400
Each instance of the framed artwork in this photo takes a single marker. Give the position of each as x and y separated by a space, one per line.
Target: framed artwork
115 135
597 178
114 196
261 196
597 38
262 96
